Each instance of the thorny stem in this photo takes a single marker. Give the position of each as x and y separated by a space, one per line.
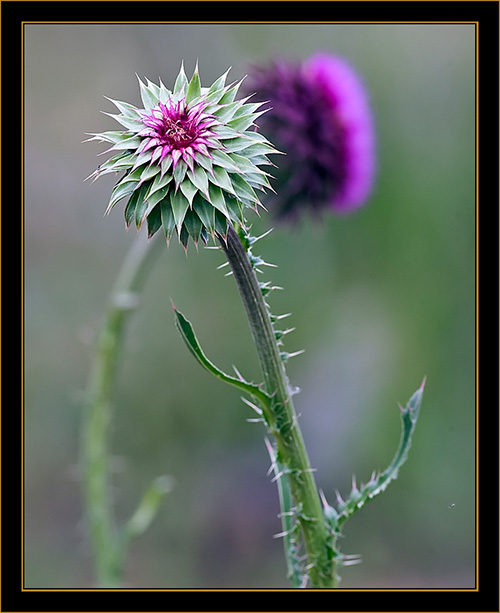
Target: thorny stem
107 545
291 451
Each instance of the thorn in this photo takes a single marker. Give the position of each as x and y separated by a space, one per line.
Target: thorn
323 498
277 476
252 406
238 374
278 317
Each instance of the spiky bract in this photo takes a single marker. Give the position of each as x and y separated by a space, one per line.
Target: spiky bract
190 158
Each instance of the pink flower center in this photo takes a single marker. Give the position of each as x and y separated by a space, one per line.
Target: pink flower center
172 126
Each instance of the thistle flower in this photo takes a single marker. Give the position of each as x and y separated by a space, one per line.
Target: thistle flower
321 119
189 158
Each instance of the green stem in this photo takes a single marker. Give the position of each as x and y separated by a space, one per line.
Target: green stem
291 451
106 543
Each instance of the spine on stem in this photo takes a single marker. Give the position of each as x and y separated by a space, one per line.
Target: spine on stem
291 452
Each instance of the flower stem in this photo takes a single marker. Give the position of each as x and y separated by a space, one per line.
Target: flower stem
282 422
106 542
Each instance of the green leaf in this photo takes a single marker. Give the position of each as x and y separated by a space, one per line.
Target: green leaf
205 212
179 172
149 100
130 208
125 108
148 507
243 123
243 190
140 212
230 94
218 85
180 205
379 482
186 330
194 88
217 199
149 172
136 198
159 183
154 221
127 122
226 112
181 81
193 225
222 179
222 159
167 218
120 191
199 179
189 190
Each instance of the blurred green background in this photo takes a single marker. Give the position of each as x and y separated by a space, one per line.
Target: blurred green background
379 298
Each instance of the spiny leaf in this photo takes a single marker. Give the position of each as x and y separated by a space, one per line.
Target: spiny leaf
149 100
186 330
180 205
181 81
193 225
125 108
167 218
378 483
154 221
205 212
194 88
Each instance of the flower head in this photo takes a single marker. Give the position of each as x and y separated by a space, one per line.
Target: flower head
320 117
189 158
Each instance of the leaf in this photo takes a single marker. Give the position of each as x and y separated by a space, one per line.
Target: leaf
180 205
378 483
218 85
199 179
205 212
222 159
194 88
159 182
149 172
217 199
193 225
154 221
120 191
186 330
222 179
181 81
127 122
148 507
137 196
125 108
167 218
149 100
141 210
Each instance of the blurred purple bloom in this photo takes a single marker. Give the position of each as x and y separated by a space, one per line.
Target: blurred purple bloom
321 118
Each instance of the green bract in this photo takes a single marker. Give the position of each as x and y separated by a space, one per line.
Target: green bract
190 158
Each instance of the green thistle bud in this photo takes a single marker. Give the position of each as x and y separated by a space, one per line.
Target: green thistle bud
190 158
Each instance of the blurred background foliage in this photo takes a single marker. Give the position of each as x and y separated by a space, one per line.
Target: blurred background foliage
379 298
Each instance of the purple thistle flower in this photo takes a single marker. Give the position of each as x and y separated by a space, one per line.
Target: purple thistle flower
320 117
189 159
